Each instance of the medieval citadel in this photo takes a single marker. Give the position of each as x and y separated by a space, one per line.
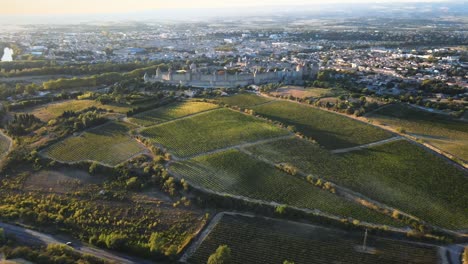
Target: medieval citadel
232 77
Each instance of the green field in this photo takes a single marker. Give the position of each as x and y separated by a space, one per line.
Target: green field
4 145
259 240
300 92
170 112
438 130
330 130
236 173
108 144
244 100
210 131
398 174
53 110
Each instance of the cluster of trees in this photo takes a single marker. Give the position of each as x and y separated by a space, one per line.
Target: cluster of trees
97 79
437 86
30 68
100 222
221 256
22 124
52 254
77 121
23 104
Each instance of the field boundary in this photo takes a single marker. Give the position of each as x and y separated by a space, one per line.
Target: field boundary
373 144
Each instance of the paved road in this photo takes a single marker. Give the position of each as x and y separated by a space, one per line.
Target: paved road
32 237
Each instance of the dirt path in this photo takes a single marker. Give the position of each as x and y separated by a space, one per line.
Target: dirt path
373 144
243 145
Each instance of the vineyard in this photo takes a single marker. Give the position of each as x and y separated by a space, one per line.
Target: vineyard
398 174
108 144
210 131
53 110
441 131
236 173
244 100
330 130
259 240
170 112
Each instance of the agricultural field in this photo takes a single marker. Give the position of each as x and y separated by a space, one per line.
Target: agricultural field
235 173
210 131
59 181
4 145
330 130
244 100
170 112
263 240
441 131
301 92
53 110
109 144
399 174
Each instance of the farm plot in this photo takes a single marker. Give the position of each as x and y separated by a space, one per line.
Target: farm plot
170 112
53 110
300 92
438 130
398 174
210 131
59 181
244 100
233 172
259 240
330 130
108 144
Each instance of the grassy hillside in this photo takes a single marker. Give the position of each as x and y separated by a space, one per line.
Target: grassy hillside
330 130
399 174
108 144
441 131
210 131
236 173
258 240
170 112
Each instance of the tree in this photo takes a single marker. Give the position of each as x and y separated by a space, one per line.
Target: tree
156 242
221 256
288 262
465 256
2 237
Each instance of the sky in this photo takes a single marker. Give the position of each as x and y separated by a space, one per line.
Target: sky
48 7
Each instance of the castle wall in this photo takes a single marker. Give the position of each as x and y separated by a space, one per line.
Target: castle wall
228 80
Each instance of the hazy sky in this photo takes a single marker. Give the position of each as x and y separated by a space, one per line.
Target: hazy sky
17 7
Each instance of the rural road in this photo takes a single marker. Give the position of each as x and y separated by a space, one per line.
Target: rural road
32 237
